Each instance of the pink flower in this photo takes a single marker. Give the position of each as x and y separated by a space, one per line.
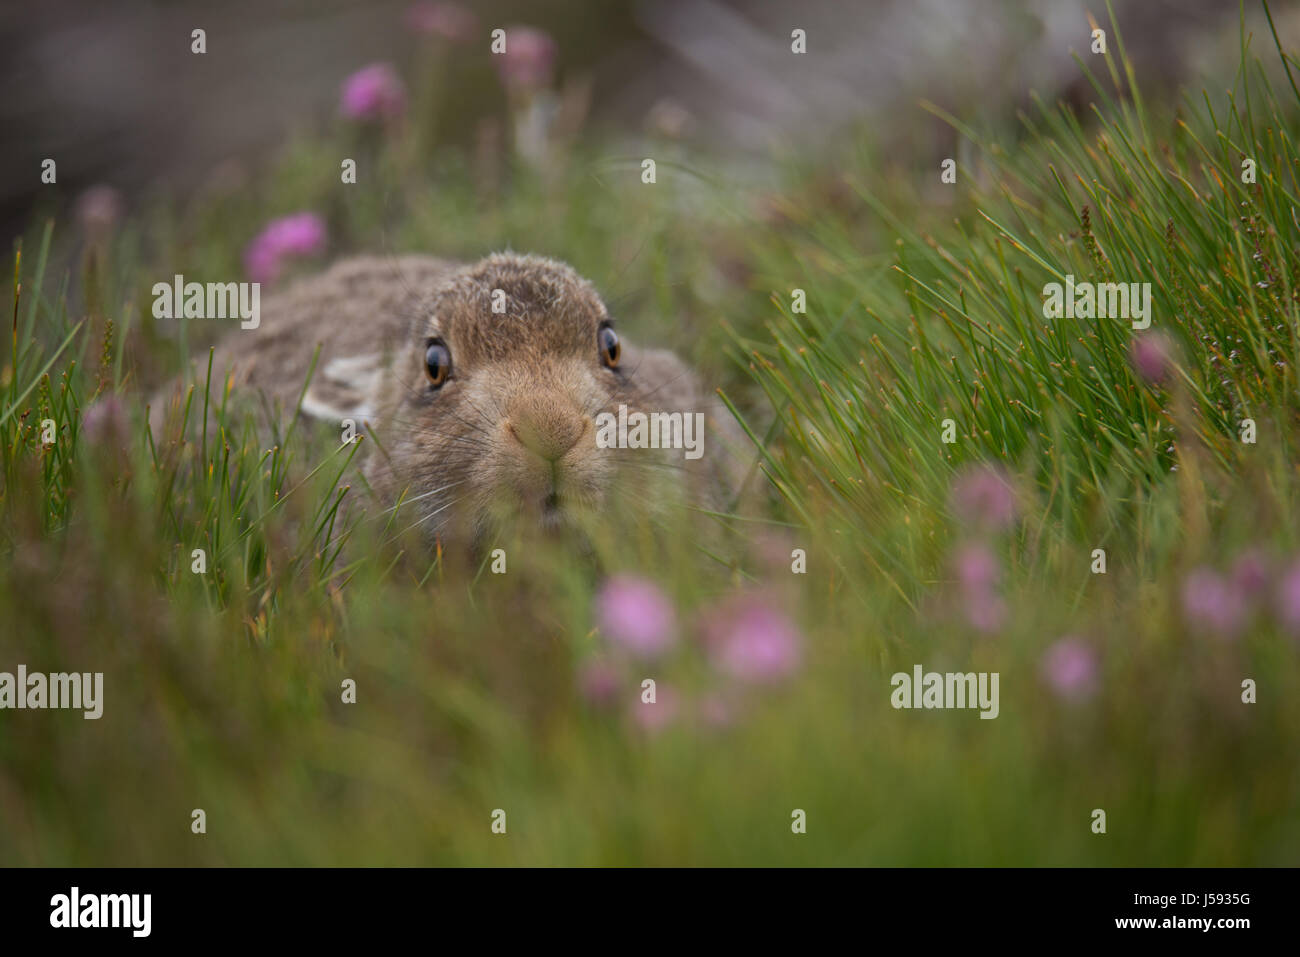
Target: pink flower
598 683
1288 599
373 93
752 641
450 21
1250 573
978 571
301 234
658 714
1211 603
982 496
985 611
716 711
98 210
1070 668
1152 356
636 616
529 59
977 568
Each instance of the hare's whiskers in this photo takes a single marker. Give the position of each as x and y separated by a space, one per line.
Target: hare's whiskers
416 498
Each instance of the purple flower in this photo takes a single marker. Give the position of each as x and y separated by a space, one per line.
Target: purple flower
982 496
450 21
373 93
985 611
1212 603
1070 668
598 683
529 59
302 234
1152 356
656 715
977 568
636 616
978 571
716 711
1250 573
1288 599
752 641
98 210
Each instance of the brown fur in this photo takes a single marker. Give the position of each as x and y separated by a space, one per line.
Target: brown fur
513 428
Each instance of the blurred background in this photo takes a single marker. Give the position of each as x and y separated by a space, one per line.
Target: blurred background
113 92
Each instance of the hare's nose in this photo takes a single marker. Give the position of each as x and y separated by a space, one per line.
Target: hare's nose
548 434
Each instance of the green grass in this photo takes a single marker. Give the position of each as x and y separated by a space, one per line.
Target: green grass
223 689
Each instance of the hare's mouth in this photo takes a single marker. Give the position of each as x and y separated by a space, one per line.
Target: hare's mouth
564 510
550 509
551 513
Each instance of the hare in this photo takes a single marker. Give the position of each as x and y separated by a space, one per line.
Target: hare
492 391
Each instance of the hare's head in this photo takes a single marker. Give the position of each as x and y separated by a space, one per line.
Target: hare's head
489 410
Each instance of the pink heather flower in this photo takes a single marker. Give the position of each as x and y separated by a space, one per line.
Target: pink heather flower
1212 603
982 496
1250 574
98 210
978 571
977 568
985 611
1288 599
598 683
1152 356
657 715
752 641
1070 668
301 234
636 616
373 93
450 21
716 711
529 59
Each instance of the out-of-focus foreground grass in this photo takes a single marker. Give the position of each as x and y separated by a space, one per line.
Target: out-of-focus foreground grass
1120 691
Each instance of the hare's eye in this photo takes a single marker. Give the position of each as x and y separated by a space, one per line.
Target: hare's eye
607 339
437 362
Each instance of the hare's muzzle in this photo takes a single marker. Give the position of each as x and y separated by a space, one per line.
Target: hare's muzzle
549 443
548 438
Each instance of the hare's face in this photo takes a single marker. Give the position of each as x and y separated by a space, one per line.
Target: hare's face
492 401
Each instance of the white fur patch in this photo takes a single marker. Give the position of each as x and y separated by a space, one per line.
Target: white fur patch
349 384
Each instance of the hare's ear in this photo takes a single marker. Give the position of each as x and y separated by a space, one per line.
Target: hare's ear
345 389
660 376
